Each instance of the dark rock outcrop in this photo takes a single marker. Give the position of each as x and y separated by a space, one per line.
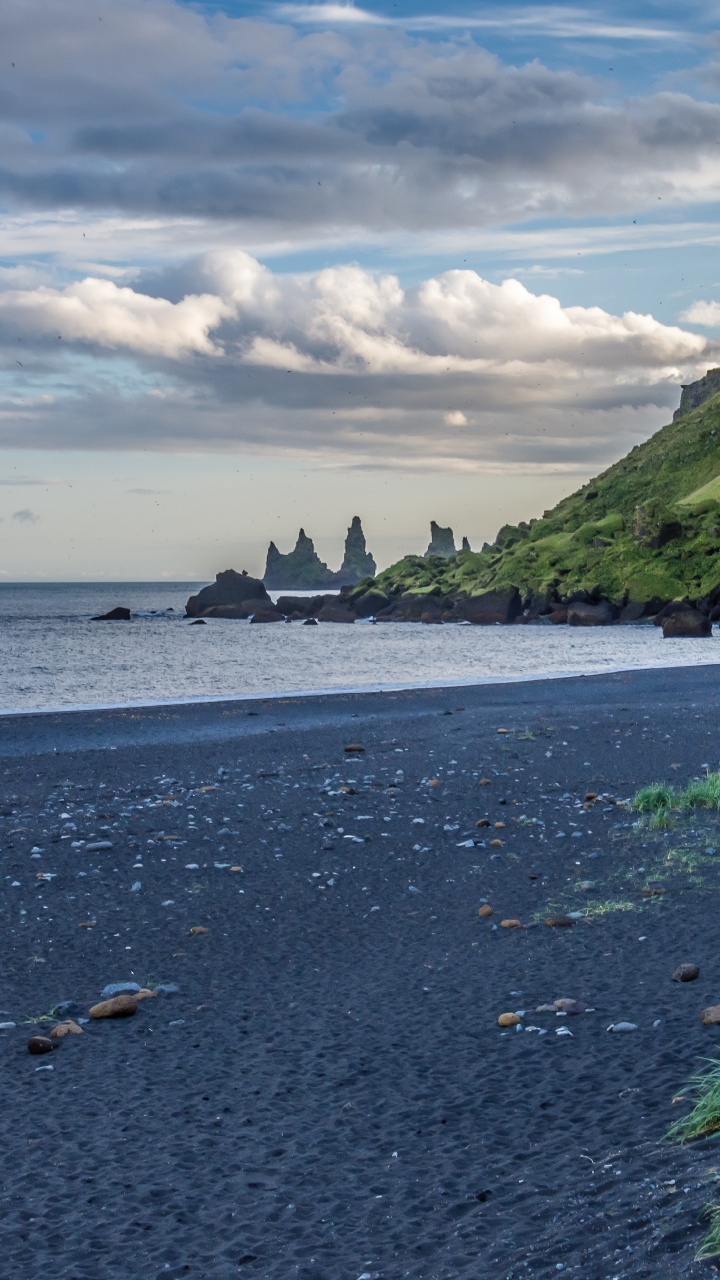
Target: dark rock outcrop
370 603
581 614
632 612
335 612
670 609
503 605
466 545
229 588
357 561
688 622
270 614
696 393
303 570
442 542
121 614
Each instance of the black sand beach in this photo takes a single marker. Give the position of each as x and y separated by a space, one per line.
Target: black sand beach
328 1095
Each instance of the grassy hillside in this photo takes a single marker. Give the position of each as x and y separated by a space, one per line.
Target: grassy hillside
648 527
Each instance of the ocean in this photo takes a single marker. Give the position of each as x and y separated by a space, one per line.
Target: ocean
52 655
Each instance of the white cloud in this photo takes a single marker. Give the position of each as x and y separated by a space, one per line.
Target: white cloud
456 418
704 313
99 312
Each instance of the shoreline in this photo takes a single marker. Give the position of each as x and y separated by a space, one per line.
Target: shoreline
277 695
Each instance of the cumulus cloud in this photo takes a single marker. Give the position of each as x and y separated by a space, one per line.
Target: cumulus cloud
343 363
704 313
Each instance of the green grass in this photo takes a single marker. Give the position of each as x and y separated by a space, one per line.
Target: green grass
660 797
702 1122
660 820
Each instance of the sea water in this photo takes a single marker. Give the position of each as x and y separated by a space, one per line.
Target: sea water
53 655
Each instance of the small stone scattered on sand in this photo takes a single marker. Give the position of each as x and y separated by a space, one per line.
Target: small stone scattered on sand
119 1007
623 1026
686 973
509 1020
485 910
198 929
511 924
711 1015
40 1044
64 1029
354 748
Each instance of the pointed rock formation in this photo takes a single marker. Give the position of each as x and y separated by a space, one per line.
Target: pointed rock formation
358 563
442 542
300 570
466 545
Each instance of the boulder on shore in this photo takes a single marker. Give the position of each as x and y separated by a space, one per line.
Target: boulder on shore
688 622
270 614
503 605
581 614
121 614
229 588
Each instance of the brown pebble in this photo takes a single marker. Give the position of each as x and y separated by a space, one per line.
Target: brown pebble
711 1015
354 748
485 782
498 824
503 730
571 1006
686 973
86 924
509 1020
559 922
485 910
434 782
236 868
118 1007
40 1044
198 929
65 1028
483 822
511 924
591 795
144 994
495 844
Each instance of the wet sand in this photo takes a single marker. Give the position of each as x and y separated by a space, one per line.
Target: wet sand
328 1094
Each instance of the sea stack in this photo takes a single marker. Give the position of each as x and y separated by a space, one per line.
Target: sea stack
442 542
302 569
358 563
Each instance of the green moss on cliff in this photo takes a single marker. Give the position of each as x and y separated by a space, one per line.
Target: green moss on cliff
649 526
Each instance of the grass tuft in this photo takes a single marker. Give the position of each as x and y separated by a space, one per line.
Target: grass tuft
656 797
661 820
704 1119
710 1247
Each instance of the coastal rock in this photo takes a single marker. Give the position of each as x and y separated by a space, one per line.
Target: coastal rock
466 544
670 609
121 614
335 613
118 1007
299 568
442 542
590 615
711 1015
509 1020
242 610
270 614
502 606
229 588
688 623
357 560
369 603
559 616
294 606
696 393
40 1044
310 622
632 612
686 973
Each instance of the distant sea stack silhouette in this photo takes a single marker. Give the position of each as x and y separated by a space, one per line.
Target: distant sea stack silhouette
302 569
442 542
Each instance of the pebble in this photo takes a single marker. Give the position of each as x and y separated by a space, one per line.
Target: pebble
65 1028
624 1026
118 1007
354 748
97 845
559 922
7 1026
686 973
509 1020
115 989
486 910
711 1015
167 989
198 929
511 924
40 1044
69 1009
572 1006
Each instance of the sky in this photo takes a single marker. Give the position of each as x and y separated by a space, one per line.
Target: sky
272 265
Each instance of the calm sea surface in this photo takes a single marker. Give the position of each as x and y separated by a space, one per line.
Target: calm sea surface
52 655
